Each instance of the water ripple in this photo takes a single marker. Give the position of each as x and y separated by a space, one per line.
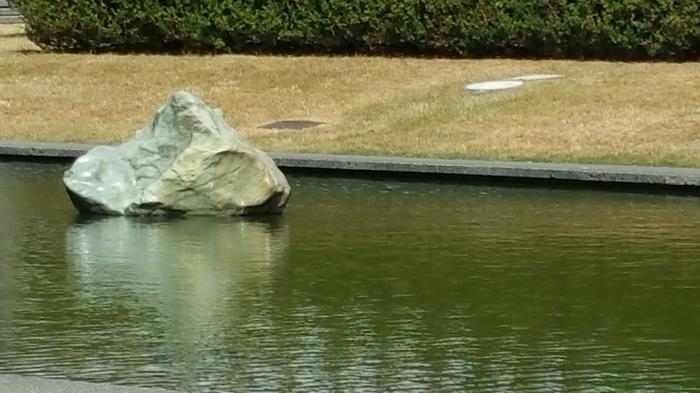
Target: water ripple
363 285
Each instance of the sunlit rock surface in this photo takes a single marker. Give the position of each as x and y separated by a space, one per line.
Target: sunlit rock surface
187 161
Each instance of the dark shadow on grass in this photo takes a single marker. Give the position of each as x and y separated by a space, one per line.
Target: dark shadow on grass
30 52
394 51
368 54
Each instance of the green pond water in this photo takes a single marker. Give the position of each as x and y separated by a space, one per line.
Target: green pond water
361 285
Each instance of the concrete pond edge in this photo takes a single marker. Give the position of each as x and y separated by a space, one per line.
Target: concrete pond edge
592 174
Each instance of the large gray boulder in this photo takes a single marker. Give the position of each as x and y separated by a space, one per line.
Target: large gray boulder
187 161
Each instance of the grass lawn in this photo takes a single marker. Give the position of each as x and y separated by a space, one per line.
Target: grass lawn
641 113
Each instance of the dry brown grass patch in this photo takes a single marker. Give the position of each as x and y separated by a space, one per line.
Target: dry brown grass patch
645 113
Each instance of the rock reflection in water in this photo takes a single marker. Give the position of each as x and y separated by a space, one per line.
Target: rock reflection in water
194 278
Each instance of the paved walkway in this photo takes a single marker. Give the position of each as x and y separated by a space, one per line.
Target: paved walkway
17 384
688 178
7 14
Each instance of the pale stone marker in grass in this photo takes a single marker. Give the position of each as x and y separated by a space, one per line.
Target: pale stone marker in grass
490 86
506 84
187 161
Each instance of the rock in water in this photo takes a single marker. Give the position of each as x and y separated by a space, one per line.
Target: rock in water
187 161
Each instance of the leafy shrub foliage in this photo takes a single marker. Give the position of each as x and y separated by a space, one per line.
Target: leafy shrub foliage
622 29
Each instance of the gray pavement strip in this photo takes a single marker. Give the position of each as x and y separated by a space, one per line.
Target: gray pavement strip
610 174
20 384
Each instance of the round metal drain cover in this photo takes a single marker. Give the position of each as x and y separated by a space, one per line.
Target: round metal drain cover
292 125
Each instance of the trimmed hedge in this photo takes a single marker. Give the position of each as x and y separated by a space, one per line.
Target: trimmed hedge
620 29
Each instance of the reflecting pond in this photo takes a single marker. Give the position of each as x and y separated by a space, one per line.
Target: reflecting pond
362 285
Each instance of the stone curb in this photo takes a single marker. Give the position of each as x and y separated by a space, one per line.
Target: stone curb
495 170
19 384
